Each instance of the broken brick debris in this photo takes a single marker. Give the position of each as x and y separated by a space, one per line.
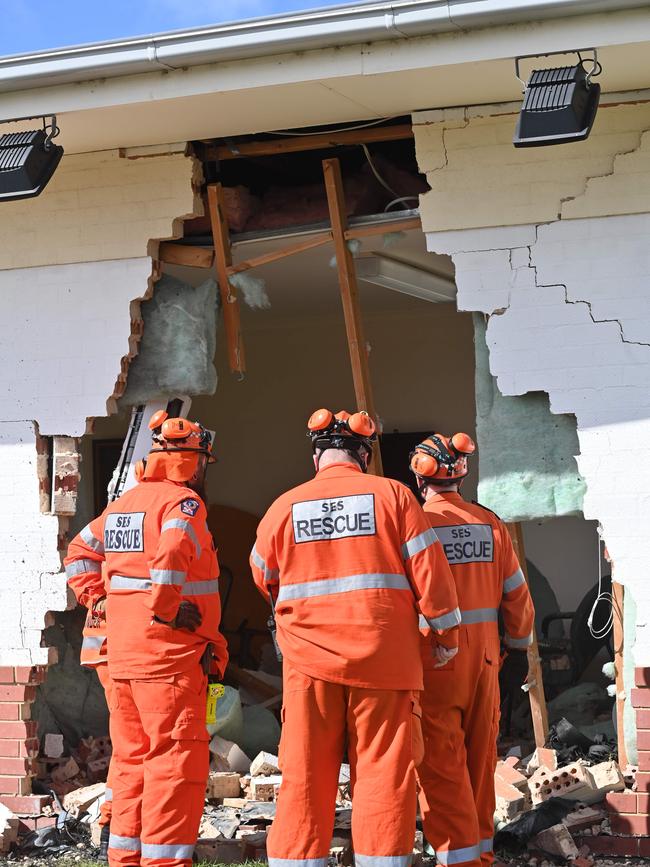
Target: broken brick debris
264 764
223 784
556 840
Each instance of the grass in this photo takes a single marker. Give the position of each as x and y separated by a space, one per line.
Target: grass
70 862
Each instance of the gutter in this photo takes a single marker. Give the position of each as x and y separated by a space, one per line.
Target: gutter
303 31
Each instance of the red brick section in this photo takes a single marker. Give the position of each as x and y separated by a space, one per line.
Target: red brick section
630 811
18 741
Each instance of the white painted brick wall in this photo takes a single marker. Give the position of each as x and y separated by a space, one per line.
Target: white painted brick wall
565 329
30 579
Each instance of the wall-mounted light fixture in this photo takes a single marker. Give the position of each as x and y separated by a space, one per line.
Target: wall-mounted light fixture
28 159
559 104
405 278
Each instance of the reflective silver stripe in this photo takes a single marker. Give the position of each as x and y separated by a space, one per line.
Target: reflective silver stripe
269 574
87 535
131 844
487 844
298 862
327 586
92 642
457 856
419 543
423 623
518 642
446 621
186 527
167 850
79 567
167 576
479 615
201 588
382 860
108 794
514 581
123 582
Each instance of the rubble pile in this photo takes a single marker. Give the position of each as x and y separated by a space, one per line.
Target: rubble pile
87 764
547 803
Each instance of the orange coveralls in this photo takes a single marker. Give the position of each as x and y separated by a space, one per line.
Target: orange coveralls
93 655
350 560
158 551
460 704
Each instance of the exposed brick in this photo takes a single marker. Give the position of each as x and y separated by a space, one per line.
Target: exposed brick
643 804
637 825
11 785
644 760
643 782
26 805
643 739
6 674
10 747
640 697
604 845
17 692
15 710
18 766
33 674
22 729
621 802
642 677
644 847
643 719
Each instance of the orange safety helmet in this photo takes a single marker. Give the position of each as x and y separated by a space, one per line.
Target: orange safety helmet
177 445
442 459
351 432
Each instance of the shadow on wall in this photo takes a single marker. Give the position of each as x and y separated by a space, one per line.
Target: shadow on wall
71 701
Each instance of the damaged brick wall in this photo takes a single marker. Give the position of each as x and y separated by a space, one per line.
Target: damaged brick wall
552 244
74 265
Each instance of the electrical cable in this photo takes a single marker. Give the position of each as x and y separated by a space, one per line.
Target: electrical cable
601 632
401 199
376 173
319 131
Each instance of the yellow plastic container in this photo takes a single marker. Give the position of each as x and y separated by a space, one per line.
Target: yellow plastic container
215 692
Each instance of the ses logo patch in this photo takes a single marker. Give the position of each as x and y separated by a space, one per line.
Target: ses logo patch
123 532
336 518
190 507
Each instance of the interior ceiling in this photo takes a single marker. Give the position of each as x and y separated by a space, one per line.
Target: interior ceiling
307 283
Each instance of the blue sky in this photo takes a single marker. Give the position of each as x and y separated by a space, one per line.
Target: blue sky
32 25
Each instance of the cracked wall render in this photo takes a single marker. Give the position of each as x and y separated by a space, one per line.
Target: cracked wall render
555 328
478 179
73 264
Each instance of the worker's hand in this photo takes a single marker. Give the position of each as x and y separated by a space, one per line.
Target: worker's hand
100 607
188 617
514 670
443 654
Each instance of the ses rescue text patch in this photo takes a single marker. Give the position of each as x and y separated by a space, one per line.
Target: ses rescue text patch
334 518
467 543
123 532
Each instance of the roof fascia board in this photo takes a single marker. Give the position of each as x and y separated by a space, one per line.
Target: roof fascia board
324 28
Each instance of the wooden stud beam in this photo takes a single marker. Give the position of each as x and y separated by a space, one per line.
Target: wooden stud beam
183 254
294 144
350 298
618 602
275 255
383 228
222 261
536 691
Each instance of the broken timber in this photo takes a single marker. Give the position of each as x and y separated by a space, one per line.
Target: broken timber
350 299
222 261
536 690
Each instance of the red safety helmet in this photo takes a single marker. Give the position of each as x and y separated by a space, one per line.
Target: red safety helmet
176 447
351 432
442 459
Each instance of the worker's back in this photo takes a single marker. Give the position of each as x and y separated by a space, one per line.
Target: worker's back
346 603
486 572
139 536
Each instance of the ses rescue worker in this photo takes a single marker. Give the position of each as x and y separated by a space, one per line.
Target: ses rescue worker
460 704
163 613
349 560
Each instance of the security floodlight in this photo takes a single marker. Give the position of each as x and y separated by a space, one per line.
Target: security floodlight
559 104
28 160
